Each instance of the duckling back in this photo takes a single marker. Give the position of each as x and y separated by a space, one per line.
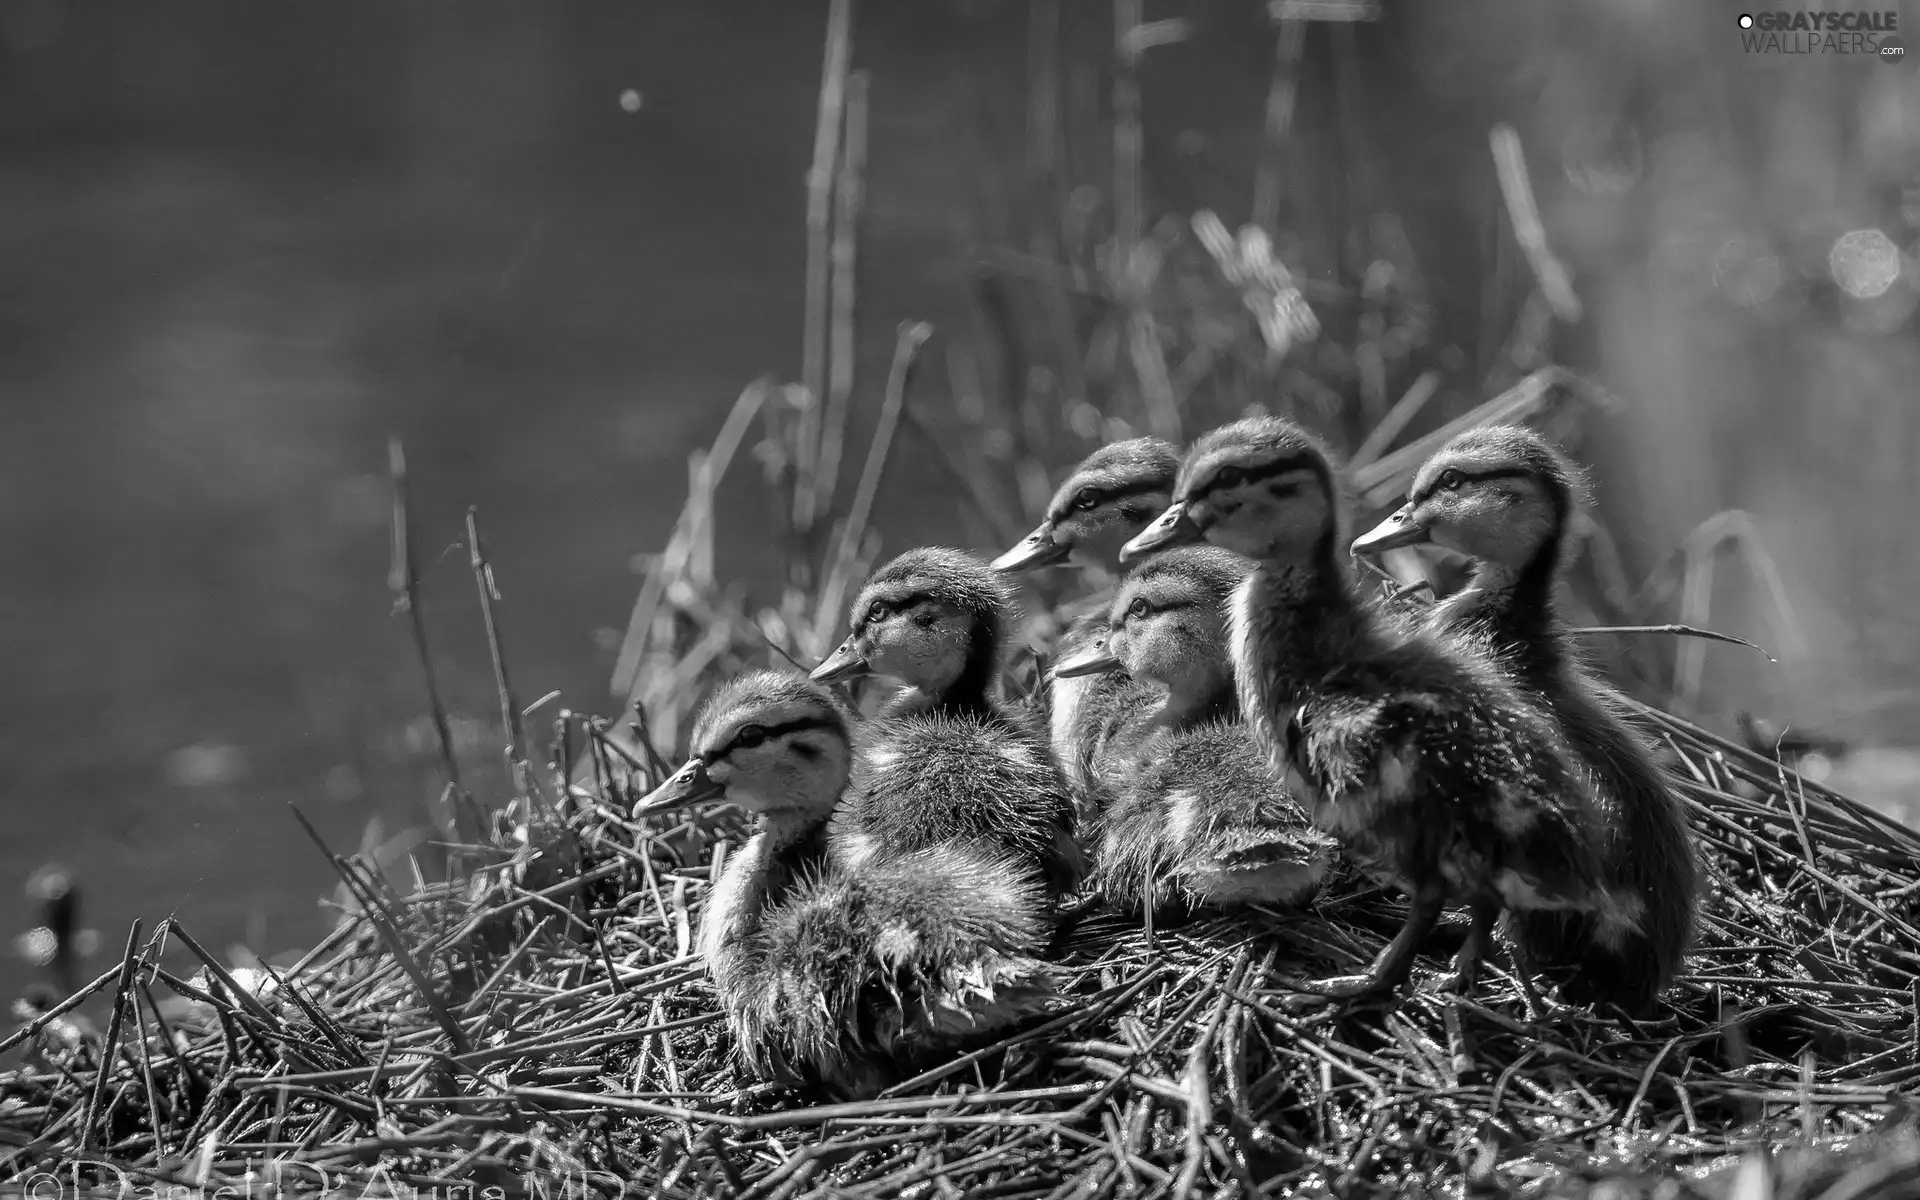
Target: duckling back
863 975
1199 819
1427 764
1646 847
938 779
1649 859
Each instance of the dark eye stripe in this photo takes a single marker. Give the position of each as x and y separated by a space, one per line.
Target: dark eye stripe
1279 466
1155 609
895 605
1106 494
772 731
1476 477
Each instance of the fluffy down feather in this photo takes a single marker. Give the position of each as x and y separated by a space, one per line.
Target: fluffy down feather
1202 823
859 977
933 779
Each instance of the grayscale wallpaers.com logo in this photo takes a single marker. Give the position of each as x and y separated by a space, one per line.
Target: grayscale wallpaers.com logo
1866 34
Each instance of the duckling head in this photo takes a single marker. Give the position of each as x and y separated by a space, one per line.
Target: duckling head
1499 494
1263 488
1109 497
774 744
932 618
1168 626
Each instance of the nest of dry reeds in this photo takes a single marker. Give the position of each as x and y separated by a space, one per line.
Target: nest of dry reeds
542 1021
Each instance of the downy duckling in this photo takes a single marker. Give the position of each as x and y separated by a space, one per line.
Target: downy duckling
942 763
1195 807
1107 499
1168 625
843 979
1414 753
1093 710
1506 499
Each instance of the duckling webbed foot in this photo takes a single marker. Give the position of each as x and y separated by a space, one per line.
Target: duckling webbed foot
1340 989
1540 1010
1473 952
1462 980
1389 972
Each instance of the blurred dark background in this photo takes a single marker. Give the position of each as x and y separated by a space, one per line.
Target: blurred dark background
241 244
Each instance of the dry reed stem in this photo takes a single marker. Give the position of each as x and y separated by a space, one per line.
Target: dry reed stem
403 578
671 563
841 568
847 202
1282 93
1385 479
510 722
1510 164
814 346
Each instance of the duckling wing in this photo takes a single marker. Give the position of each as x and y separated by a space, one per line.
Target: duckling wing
1650 863
1203 812
938 780
1460 781
913 951
957 931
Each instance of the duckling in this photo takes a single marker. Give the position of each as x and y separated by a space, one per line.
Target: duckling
1168 625
1092 710
1506 498
1410 750
841 978
1107 499
1195 806
943 763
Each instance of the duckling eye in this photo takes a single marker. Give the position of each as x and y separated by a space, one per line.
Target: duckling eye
1138 608
1450 480
1227 477
1085 499
877 611
749 737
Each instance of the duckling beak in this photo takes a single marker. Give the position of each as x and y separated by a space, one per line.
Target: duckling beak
688 786
1173 528
1094 660
845 663
1036 550
1403 528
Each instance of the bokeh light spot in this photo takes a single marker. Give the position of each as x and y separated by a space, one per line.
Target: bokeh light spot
1864 262
38 945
